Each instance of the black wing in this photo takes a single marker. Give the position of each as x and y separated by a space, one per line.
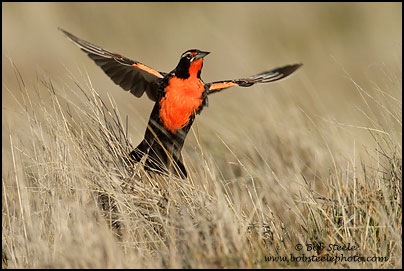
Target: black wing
129 74
264 77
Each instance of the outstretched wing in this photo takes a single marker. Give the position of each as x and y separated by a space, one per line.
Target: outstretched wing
129 74
264 77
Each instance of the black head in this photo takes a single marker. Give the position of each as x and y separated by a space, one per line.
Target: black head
190 63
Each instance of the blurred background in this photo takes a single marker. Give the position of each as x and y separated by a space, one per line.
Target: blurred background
336 42
314 157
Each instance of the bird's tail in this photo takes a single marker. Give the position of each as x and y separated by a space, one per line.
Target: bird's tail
163 163
158 160
156 156
179 166
138 153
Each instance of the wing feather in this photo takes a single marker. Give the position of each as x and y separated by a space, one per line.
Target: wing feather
264 77
131 75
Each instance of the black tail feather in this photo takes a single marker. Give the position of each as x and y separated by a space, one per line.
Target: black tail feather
157 160
138 153
179 167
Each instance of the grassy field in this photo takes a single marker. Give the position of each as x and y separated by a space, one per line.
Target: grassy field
305 172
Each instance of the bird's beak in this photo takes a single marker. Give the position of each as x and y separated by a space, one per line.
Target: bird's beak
201 54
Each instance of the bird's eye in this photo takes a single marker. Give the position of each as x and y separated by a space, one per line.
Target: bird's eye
188 56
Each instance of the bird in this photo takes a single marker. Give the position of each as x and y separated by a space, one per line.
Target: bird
179 96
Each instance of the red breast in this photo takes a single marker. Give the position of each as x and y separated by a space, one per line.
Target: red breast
182 98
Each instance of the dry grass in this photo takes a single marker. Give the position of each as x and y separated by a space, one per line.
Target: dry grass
303 169
73 200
